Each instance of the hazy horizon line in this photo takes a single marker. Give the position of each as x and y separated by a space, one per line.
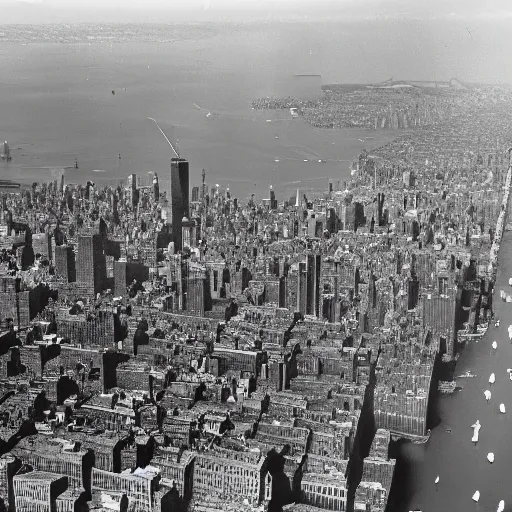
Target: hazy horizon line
36 12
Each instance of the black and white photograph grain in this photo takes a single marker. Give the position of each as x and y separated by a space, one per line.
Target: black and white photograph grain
255 256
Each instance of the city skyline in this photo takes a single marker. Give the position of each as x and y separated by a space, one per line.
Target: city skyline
255 256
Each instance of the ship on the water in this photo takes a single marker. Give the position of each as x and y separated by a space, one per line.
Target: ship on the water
5 152
447 387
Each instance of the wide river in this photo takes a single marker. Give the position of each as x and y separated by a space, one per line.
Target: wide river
462 466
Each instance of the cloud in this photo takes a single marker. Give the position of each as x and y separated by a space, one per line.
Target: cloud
39 2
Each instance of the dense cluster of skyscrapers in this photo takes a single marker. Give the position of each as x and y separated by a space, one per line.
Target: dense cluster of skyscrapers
162 354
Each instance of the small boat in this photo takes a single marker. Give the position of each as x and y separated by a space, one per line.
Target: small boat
494 345
490 457
487 394
502 408
501 506
477 426
476 496
481 329
447 387
436 480
492 378
510 281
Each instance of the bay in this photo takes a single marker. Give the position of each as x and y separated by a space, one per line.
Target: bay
91 101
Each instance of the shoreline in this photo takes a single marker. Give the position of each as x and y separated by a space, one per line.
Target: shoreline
417 466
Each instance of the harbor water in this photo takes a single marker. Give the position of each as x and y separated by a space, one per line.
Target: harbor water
462 466
62 101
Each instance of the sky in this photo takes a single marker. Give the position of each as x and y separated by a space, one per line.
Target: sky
416 9
168 11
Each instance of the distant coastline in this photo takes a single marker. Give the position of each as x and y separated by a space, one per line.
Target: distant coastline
386 105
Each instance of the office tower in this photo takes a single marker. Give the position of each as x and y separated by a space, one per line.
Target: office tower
148 251
318 272
87 330
273 201
331 221
413 287
41 244
380 209
319 229
302 288
38 491
109 264
310 268
179 197
196 282
65 263
195 194
131 190
156 188
272 289
120 278
189 233
91 264
9 466
18 302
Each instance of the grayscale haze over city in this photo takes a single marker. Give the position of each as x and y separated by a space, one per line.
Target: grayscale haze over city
255 255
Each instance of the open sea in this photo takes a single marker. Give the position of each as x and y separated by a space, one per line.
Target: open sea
87 93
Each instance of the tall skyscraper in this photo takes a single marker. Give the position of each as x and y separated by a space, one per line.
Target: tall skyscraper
311 275
41 243
196 281
156 188
179 197
273 201
318 274
91 264
303 289
120 278
131 190
65 263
